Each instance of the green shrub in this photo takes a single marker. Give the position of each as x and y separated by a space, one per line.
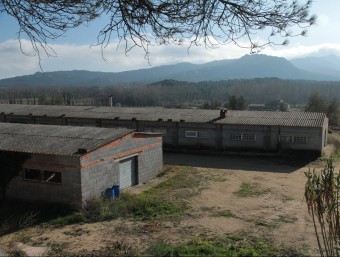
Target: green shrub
92 208
227 246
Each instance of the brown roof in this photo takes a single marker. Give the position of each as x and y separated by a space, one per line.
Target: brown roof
57 140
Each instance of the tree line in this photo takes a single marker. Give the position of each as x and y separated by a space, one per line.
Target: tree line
172 93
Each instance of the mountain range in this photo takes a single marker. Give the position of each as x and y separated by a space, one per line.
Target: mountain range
326 68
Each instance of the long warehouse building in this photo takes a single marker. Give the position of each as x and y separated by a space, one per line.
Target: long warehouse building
222 130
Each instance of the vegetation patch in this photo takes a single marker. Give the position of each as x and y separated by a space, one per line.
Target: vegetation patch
226 246
116 249
285 219
266 224
251 190
226 213
16 215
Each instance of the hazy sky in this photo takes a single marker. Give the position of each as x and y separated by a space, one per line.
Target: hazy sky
74 50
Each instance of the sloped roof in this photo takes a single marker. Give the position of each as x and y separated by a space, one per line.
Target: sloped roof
56 140
287 119
295 119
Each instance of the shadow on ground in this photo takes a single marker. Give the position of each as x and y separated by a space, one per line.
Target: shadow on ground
279 164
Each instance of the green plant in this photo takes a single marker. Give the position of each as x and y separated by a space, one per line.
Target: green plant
322 198
117 249
92 208
226 213
16 222
220 246
250 190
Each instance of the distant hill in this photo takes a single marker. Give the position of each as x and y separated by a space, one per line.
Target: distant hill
328 65
246 67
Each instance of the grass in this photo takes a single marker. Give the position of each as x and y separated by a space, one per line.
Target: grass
16 215
226 213
164 201
223 246
143 206
251 190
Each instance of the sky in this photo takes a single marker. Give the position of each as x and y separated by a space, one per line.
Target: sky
76 51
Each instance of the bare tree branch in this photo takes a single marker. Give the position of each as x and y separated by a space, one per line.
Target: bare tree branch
141 23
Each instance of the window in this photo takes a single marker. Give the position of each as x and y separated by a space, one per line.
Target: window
299 140
236 136
285 139
42 176
248 137
191 133
243 136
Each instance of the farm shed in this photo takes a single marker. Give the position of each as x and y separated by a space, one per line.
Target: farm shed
69 164
222 130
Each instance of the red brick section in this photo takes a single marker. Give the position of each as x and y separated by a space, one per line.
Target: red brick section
114 143
121 155
135 135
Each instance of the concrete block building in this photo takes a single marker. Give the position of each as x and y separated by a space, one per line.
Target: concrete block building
69 164
221 130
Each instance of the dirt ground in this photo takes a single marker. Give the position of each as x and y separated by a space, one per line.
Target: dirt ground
278 212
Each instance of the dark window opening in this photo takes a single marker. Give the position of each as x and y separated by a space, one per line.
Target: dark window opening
42 176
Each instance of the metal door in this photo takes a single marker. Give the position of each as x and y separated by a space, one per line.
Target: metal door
128 172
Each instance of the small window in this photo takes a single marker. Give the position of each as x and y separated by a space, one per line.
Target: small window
299 140
236 136
243 136
51 176
248 137
191 133
30 174
42 175
285 139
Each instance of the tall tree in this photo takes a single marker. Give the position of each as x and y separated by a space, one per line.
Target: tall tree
316 103
333 111
145 22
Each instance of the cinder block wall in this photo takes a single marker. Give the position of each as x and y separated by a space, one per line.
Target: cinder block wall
150 163
68 191
100 168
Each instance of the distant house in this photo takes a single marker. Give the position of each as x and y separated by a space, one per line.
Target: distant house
222 130
257 107
69 164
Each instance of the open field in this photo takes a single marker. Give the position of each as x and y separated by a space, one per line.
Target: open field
259 198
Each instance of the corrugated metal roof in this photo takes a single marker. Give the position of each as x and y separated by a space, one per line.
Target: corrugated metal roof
58 140
301 119
288 119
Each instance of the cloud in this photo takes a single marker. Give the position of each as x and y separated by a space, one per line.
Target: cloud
303 51
13 61
114 59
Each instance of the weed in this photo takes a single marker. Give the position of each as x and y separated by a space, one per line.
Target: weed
16 253
78 231
16 222
226 213
251 190
266 224
92 208
286 198
116 249
225 246
285 219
